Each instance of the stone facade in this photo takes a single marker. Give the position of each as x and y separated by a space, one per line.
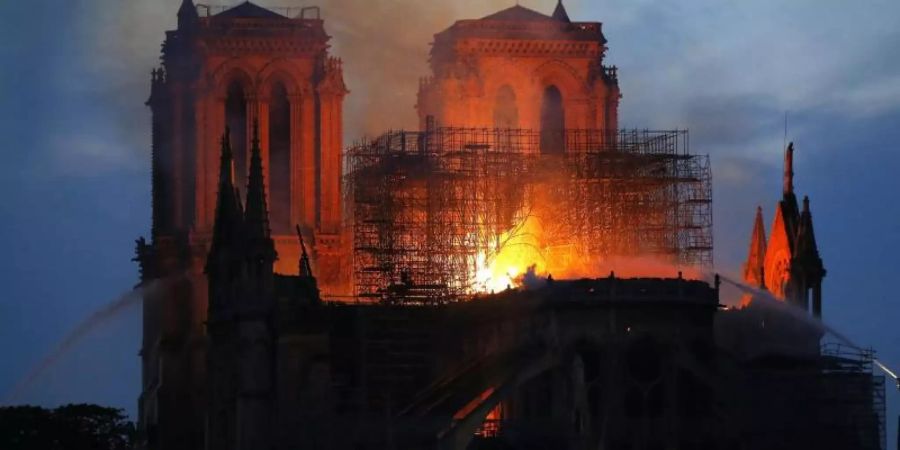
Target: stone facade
242 352
231 69
518 68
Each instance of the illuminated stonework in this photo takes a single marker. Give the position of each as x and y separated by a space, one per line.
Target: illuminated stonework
788 263
518 68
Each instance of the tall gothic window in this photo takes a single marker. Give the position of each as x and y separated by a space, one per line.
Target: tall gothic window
280 159
236 119
553 121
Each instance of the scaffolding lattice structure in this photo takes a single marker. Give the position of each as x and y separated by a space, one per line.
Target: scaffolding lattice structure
859 401
426 208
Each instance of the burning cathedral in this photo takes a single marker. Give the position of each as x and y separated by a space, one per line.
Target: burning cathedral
518 272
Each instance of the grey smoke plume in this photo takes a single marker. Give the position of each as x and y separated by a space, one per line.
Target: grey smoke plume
100 317
385 45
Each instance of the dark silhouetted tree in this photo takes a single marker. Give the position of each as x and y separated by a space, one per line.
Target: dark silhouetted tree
70 427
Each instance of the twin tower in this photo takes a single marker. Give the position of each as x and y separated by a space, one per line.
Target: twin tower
268 75
230 68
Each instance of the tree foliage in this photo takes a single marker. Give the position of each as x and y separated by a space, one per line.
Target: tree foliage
70 427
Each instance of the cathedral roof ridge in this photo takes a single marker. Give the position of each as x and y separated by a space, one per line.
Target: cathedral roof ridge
249 10
522 23
517 13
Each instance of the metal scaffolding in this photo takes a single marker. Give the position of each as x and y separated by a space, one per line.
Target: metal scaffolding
426 206
852 395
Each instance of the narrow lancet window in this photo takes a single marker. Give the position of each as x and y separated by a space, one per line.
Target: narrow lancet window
280 160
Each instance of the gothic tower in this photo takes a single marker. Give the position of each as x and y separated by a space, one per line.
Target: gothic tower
790 266
231 69
518 68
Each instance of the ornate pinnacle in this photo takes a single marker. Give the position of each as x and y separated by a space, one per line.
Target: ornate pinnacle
560 13
228 217
187 15
257 213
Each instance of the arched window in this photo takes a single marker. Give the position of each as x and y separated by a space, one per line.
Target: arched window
506 114
280 160
553 121
236 119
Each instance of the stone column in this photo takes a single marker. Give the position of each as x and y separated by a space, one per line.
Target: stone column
177 155
612 112
296 177
205 161
330 158
306 124
326 171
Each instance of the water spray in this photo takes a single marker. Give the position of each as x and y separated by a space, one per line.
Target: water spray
799 314
82 330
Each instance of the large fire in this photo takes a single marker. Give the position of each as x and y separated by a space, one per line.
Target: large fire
529 250
517 251
446 213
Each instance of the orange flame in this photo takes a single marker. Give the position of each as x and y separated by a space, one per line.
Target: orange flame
524 248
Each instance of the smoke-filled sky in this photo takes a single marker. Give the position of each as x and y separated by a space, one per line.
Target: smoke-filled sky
75 184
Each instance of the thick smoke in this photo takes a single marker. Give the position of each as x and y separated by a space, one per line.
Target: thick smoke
385 45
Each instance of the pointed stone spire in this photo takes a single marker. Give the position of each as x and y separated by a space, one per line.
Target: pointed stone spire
257 212
228 216
789 169
187 15
756 256
560 13
789 209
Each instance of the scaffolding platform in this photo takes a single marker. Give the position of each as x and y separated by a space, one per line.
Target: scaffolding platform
426 208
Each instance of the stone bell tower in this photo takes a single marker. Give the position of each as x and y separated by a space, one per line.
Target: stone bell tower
233 68
518 68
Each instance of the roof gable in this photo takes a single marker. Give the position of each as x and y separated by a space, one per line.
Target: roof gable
249 10
518 14
778 254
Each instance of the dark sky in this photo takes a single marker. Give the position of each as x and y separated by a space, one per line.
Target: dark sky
74 185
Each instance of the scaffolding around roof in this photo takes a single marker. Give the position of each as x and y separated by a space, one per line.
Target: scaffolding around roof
426 208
